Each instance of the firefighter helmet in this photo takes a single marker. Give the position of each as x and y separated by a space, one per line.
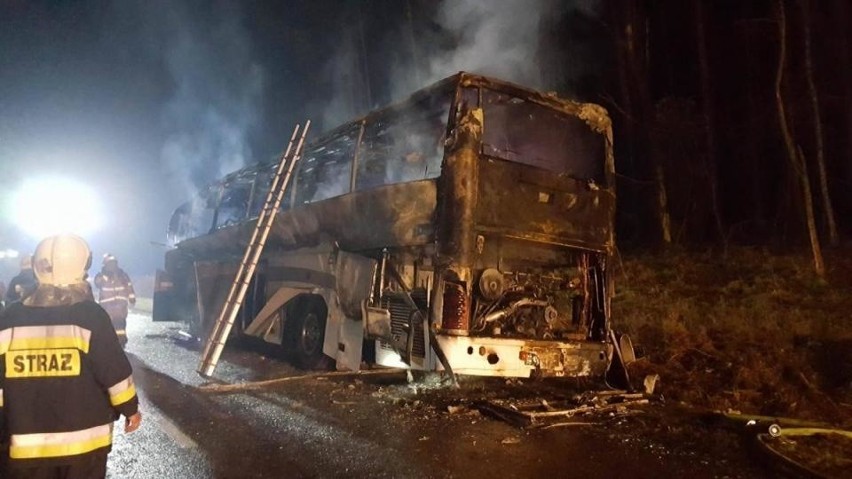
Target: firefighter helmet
27 261
62 260
110 258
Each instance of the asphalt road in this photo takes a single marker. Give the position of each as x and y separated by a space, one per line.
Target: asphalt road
381 425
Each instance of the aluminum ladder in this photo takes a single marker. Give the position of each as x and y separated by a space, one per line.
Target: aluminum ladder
222 328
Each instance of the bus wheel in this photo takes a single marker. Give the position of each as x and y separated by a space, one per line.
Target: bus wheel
308 330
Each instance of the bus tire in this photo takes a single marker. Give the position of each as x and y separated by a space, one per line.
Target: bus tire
307 330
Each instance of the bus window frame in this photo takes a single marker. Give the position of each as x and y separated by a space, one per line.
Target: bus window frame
224 186
329 138
447 91
601 177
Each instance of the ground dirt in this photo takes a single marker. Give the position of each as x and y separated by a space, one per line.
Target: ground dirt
753 331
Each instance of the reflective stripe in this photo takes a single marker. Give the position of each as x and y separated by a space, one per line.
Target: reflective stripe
59 444
45 337
122 392
121 332
117 288
114 298
1 398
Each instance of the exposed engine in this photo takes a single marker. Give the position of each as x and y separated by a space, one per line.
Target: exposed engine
529 306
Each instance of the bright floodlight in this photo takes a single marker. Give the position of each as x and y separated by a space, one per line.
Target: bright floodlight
48 206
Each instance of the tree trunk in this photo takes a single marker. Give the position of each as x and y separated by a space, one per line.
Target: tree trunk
758 213
637 61
710 159
796 158
828 209
840 12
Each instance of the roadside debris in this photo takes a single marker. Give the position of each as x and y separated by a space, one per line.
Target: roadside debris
542 412
455 409
223 388
650 383
568 424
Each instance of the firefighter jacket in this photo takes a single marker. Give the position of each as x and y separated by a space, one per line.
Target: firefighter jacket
116 291
64 378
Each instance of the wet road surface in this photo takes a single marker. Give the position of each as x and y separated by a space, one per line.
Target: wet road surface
380 425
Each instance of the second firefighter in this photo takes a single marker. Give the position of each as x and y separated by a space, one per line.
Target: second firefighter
115 294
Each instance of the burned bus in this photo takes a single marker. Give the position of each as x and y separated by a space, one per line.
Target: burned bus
468 228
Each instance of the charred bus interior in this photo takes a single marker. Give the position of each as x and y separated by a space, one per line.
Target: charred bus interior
469 227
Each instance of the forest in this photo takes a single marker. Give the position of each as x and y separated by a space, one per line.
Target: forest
733 126
733 121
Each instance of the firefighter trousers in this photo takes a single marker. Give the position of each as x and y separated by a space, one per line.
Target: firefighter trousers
117 311
120 325
93 466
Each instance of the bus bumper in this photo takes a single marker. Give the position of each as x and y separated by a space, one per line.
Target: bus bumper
480 356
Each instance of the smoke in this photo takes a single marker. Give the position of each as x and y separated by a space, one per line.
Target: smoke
347 78
504 39
497 38
217 90
521 41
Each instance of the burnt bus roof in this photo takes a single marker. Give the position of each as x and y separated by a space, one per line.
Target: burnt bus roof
594 115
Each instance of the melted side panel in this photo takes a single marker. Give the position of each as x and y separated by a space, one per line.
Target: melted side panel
516 202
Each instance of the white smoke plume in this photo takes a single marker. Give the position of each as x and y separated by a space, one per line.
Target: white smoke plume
497 38
347 80
217 89
505 39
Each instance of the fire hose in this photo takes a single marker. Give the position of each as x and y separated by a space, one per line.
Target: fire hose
770 428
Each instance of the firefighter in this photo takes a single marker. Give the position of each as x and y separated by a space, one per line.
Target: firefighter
116 292
64 378
24 283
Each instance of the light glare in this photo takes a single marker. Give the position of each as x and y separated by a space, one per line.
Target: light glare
48 206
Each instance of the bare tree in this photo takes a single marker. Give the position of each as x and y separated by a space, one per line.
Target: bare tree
843 42
710 158
796 158
828 209
635 57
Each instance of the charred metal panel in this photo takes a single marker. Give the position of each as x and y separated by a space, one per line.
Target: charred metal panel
594 115
459 190
520 202
214 282
290 274
509 253
325 267
484 356
387 216
353 274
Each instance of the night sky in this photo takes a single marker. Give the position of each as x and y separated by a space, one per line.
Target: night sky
143 101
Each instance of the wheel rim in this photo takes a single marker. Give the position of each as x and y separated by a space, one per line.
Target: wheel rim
311 334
